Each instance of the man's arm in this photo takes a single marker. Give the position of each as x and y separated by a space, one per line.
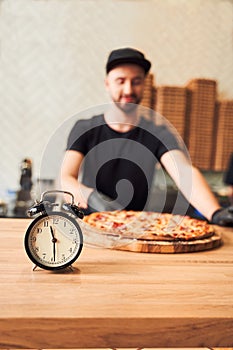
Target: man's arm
69 178
191 182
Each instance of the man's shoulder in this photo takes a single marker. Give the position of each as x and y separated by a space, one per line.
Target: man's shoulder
94 121
154 126
82 129
146 123
88 124
149 125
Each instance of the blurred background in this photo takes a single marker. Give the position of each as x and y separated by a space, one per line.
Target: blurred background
52 67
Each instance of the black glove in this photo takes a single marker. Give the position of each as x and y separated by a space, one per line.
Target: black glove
223 217
97 201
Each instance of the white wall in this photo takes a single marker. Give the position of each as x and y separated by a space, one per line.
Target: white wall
53 52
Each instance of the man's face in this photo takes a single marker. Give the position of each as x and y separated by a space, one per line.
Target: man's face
125 85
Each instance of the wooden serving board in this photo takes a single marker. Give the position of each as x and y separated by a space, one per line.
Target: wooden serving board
142 246
97 238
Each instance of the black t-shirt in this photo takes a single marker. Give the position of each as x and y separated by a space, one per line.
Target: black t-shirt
121 164
228 177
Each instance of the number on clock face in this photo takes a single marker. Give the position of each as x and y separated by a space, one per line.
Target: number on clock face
53 241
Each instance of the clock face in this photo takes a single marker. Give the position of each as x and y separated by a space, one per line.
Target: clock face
53 241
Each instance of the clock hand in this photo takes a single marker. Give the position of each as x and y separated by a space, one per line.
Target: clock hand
54 240
51 230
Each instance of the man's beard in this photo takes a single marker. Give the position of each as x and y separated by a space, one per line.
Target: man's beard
129 107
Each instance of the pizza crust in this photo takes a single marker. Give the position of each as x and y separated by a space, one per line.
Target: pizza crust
149 225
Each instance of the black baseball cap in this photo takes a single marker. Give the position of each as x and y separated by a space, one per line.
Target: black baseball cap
127 55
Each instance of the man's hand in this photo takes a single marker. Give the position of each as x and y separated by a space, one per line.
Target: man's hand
97 201
223 217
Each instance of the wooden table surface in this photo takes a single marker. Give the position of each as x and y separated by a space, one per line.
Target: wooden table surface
115 299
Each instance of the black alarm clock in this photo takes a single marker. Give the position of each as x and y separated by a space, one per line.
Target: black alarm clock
54 239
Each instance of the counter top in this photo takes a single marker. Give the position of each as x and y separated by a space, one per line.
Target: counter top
115 298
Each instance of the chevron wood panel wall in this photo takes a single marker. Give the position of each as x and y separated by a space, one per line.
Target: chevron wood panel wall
52 56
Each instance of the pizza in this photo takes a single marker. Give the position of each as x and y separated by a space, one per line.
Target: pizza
149 226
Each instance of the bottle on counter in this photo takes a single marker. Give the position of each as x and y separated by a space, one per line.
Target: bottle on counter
23 197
